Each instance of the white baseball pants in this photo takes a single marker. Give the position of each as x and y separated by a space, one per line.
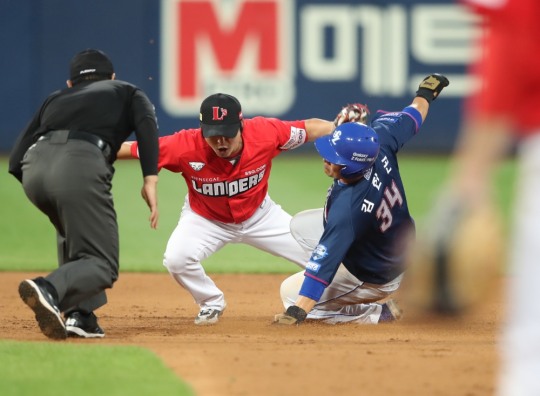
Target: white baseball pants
196 238
521 333
346 299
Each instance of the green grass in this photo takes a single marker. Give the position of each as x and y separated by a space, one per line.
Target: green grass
423 177
27 243
297 182
55 369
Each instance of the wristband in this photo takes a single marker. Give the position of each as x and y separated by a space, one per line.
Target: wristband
426 93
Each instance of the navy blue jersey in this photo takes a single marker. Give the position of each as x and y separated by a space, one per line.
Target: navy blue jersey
367 222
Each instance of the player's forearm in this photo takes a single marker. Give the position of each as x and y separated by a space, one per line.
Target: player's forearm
297 313
125 151
422 105
429 90
305 303
316 127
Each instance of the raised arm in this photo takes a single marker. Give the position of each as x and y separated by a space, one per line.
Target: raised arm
428 90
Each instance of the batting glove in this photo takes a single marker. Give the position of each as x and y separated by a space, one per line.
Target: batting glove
293 315
431 86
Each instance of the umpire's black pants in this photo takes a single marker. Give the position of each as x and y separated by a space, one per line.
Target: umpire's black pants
70 181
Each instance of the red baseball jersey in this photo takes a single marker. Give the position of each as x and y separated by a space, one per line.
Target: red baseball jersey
219 190
509 66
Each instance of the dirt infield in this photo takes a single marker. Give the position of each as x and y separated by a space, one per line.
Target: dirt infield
246 355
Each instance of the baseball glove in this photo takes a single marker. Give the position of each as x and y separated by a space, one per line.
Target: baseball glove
456 257
352 113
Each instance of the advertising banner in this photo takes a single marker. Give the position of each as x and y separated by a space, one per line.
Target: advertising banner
290 59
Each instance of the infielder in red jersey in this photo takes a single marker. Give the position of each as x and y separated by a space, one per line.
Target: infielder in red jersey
505 111
226 165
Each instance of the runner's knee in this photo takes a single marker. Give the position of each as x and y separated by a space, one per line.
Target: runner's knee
290 287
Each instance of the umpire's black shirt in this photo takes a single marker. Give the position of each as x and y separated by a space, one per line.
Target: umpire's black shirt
109 109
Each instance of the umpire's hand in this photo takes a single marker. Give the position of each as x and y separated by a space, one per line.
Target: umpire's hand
149 194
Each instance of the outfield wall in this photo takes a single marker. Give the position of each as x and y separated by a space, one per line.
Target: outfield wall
284 58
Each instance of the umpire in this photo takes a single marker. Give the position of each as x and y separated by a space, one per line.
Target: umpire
64 161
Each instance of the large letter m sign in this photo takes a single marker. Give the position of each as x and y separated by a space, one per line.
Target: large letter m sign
240 47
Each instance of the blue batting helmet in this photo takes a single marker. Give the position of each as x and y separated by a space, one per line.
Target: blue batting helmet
353 145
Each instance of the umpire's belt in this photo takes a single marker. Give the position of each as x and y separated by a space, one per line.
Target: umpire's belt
79 135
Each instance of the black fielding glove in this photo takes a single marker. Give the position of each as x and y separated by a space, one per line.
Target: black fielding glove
431 86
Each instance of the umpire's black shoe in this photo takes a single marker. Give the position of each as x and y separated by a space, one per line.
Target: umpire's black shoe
83 325
41 297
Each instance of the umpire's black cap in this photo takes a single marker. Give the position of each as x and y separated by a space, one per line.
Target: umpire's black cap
221 115
90 61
